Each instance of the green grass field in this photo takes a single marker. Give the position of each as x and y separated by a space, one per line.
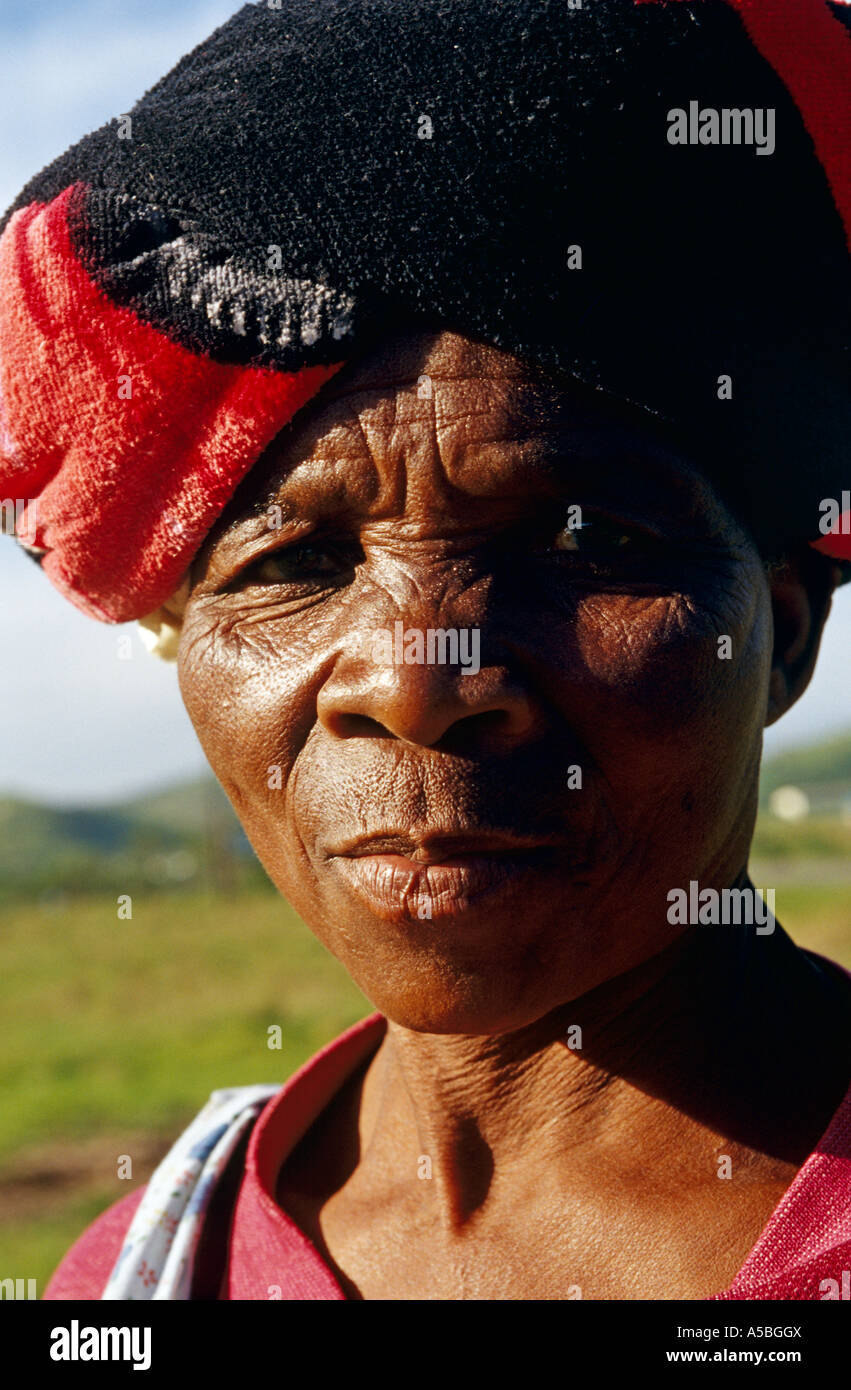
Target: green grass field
115 1032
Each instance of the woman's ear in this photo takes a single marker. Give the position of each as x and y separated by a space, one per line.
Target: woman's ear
801 594
160 630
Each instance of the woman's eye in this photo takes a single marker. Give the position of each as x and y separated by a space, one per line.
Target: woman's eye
298 564
599 537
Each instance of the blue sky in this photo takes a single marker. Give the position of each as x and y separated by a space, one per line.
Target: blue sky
66 68
79 723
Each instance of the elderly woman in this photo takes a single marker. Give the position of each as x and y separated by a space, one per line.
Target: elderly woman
475 433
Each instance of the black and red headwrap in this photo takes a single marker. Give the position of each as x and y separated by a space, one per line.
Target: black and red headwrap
177 285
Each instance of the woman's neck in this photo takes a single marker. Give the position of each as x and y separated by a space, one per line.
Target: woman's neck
744 1035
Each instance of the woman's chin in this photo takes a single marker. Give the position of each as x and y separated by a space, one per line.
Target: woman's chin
446 958
437 996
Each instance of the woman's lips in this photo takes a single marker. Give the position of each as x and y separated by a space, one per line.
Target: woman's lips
438 883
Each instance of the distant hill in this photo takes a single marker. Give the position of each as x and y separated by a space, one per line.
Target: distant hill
182 836
185 808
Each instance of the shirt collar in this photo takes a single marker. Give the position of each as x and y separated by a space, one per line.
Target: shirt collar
269 1256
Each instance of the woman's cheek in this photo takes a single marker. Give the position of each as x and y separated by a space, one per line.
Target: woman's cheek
250 689
232 690
671 658
253 654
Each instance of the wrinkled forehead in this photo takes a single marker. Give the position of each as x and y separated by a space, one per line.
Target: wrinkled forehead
436 420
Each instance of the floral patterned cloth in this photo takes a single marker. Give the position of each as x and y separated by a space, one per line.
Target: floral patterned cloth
157 1258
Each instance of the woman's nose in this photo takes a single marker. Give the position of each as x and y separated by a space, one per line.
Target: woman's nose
381 689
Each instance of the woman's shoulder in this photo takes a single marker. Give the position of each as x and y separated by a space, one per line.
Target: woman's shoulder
88 1264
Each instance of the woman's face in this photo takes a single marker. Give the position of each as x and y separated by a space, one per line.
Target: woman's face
480 840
